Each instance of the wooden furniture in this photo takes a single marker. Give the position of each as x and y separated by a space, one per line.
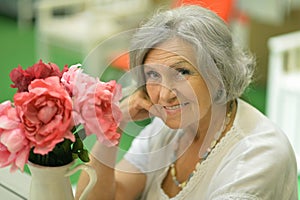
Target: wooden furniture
283 88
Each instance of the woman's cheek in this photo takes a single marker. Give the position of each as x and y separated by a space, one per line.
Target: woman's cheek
153 92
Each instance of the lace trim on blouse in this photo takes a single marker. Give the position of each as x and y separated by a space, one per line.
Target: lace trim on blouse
202 168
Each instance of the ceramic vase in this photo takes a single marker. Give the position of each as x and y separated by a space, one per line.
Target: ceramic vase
53 183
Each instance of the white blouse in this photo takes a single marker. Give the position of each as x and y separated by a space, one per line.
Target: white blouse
254 161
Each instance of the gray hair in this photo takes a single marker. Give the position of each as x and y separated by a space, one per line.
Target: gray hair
217 55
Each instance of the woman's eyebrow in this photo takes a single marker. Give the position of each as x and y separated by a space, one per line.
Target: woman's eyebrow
174 65
179 63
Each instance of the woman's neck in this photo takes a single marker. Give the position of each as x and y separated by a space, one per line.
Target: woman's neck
199 132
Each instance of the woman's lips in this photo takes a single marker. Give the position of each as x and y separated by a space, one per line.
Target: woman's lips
175 108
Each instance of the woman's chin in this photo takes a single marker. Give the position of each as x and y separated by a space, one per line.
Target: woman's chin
179 124
175 124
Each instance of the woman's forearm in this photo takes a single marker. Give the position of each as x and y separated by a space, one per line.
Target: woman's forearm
103 161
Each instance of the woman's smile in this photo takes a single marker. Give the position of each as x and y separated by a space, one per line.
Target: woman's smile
174 109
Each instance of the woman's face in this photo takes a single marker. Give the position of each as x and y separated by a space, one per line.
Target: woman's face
174 84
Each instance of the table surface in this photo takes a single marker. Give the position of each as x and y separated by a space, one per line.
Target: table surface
14 185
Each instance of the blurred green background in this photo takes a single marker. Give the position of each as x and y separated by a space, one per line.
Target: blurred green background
18 48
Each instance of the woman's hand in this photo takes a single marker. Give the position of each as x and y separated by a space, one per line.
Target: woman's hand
136 106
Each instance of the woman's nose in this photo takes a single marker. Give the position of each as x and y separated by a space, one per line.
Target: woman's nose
167 94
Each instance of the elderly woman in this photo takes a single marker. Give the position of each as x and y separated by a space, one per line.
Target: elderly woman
204 142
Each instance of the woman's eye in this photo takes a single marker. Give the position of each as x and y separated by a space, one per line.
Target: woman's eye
152 75
181 73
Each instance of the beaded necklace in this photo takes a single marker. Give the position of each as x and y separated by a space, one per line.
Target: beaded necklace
181 185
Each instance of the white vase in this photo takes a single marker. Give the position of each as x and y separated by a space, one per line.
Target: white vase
53 183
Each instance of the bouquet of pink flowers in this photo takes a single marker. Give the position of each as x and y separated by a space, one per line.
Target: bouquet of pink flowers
50 108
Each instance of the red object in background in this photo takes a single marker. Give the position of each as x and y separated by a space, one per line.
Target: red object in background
121 62
221 7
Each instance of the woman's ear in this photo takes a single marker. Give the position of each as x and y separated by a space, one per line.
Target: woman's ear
220 96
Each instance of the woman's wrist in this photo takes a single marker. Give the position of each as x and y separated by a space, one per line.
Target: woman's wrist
105 154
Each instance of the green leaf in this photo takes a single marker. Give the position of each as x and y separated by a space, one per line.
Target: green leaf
60 155
78 145
84 155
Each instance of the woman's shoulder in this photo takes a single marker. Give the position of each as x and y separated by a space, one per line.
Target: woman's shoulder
258 155
256 130
251 119
252 123
257 143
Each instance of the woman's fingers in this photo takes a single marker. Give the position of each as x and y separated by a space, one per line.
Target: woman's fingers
136 106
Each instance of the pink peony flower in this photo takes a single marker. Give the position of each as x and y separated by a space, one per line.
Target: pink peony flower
96 107
42 70
49 105
45 111
107 96
22 78
14 146
69 77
